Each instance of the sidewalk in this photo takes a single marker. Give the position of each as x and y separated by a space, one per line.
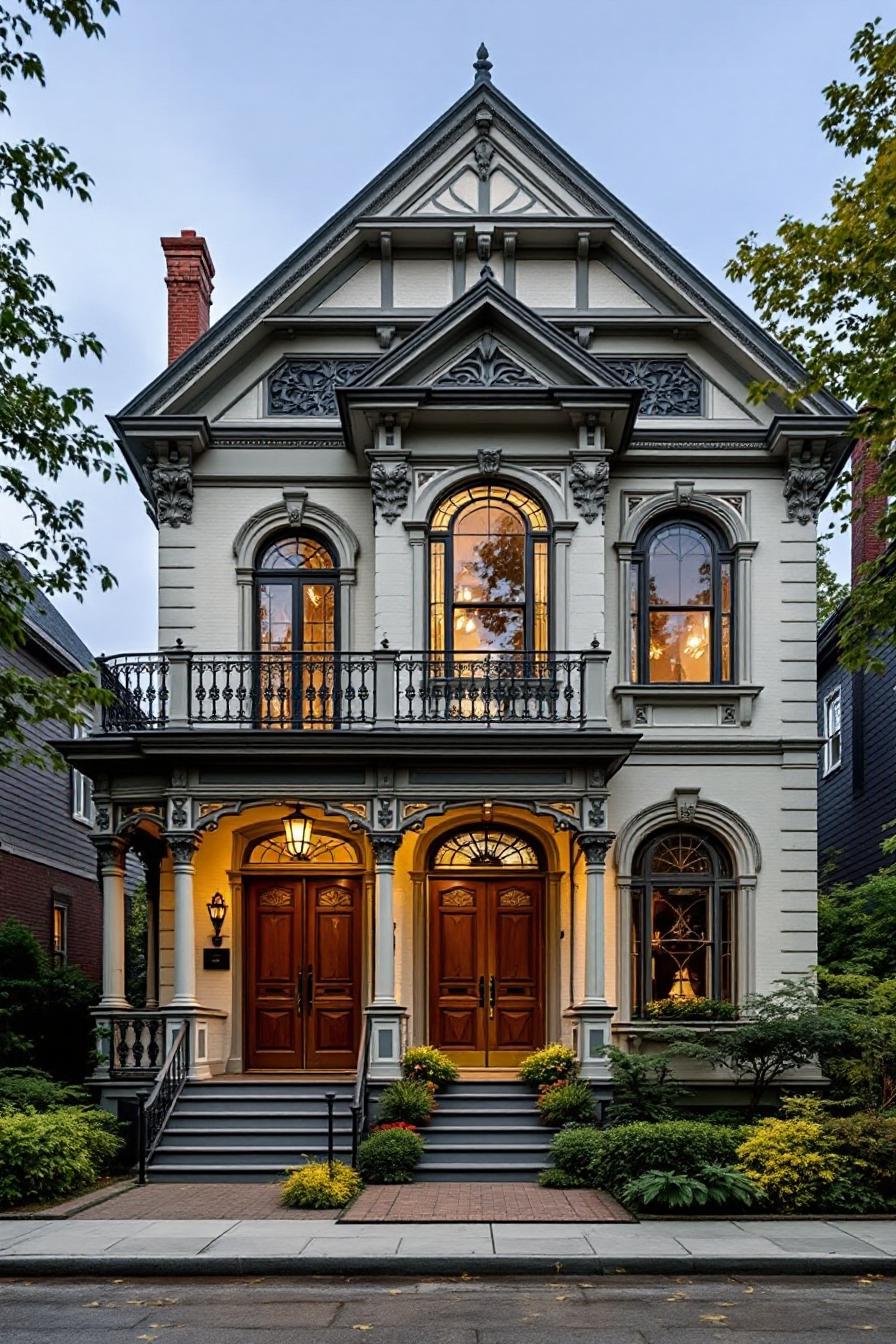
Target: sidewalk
238 1246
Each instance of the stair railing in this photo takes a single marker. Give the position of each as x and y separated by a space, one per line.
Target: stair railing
155 1107
360 1094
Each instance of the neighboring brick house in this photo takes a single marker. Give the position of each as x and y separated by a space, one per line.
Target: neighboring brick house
857 721
48 869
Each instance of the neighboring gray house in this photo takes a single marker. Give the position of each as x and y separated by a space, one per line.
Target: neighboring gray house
48 870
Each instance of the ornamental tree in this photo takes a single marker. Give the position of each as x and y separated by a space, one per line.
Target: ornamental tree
44 429
827 290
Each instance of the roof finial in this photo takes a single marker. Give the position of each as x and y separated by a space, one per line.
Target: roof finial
482 65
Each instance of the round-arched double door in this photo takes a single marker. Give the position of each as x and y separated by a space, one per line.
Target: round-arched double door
486 947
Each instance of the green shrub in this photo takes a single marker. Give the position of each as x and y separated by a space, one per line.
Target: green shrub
682 1146
673 1191
573 1152
698 1009
45 1019
644 1088
389 1156
31 1089
47 1156
553 1064
566 1103
312 1186
407 1100
868 1143
426 1064
793 1158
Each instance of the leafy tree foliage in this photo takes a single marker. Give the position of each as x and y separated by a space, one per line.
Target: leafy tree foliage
831 592
857 926
43 430
827 290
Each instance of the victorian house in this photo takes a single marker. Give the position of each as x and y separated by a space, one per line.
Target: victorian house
483 708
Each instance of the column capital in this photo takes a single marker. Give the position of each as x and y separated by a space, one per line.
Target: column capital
595 846
385 846
110 852
182 847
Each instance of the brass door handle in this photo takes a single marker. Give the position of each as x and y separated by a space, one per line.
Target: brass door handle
491 996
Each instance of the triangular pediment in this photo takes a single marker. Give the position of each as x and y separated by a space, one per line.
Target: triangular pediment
487 339
486 179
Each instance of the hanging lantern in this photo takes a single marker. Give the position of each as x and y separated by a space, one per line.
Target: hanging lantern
217 913
299 830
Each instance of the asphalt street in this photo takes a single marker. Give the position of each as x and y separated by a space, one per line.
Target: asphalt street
467 1310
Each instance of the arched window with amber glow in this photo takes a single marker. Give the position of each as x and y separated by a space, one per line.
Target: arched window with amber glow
683 920
296 630
488 573
681 606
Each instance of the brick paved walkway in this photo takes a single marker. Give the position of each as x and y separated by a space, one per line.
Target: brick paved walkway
482 1202
201 1199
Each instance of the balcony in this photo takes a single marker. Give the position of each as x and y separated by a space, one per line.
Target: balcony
352 692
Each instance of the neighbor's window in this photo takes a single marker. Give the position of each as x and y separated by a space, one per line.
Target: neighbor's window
82 787
681 606
60 933
833 737
683 917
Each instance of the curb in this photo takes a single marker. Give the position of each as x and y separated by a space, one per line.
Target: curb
153 1266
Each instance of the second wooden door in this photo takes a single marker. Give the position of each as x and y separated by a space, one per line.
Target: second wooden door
303 982
487 968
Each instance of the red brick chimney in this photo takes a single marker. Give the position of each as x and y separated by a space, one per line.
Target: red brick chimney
867 543
189 281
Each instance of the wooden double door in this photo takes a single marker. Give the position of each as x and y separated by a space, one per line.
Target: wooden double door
486 974
303 982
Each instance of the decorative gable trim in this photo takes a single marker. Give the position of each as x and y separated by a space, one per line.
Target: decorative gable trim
487 365
307 387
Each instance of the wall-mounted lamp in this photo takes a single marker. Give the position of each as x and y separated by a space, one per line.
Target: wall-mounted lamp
217 913
299 830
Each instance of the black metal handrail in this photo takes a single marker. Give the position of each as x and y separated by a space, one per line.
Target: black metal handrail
139 684
326 689
155 1107
360 1092
490 688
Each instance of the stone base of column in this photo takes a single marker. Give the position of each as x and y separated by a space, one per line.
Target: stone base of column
197 1029
591 1036
387 1032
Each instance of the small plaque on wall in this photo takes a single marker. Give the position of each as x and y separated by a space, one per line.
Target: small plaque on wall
216 958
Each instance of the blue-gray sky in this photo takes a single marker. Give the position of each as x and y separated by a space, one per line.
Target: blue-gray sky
252 121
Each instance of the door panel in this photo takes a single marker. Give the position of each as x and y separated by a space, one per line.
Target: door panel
274 948
303 982
457 967
333 1006
516 1021
487 968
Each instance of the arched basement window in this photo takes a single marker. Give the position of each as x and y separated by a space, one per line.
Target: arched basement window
486 847
324 849
683 920
488 572
681 606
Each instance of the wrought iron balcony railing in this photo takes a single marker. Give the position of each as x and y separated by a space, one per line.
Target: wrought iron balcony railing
335 691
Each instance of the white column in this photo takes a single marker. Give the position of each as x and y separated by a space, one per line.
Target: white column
182 849
111 857
384 848
151 863
595 870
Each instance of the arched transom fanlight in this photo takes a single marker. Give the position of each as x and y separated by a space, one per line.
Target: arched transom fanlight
296 551
486 494
486 847
324 849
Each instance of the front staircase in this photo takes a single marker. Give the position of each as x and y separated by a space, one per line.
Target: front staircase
252 1130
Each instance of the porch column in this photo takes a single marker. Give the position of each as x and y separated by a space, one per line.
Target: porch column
110 853
593 1013
183 847
385 1014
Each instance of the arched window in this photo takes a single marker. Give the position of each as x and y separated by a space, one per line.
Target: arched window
488 572
324 849
296 628
681 606
485 847
683 911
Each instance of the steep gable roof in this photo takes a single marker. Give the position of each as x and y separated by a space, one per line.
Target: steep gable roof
482 99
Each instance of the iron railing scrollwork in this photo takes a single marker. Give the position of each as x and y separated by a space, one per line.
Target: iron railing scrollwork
490 688
155 1107
139 685
281 690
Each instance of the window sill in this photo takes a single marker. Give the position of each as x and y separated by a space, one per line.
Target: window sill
686 706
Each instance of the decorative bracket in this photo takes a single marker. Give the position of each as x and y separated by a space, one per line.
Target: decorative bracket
589 487
390 484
